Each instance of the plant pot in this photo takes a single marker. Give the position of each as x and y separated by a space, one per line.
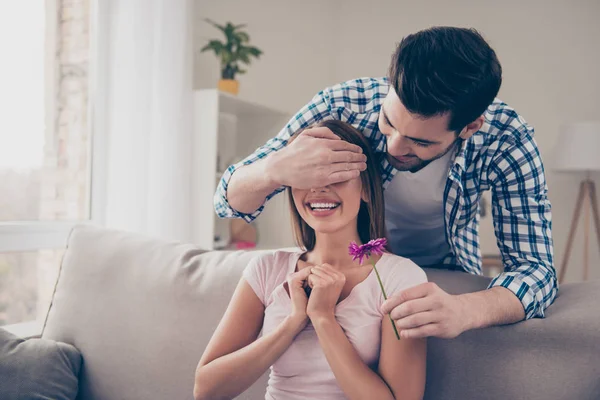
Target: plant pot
229 85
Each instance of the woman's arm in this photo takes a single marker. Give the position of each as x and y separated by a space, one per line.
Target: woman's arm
356 379
402 363
234 359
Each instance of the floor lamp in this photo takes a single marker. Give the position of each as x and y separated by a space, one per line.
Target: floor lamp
578 153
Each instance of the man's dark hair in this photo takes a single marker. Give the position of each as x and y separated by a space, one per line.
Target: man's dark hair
446 69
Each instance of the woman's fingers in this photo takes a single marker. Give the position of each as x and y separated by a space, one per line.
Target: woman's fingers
320 272
298 279
326 274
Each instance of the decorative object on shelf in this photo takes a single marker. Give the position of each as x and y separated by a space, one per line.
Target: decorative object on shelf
243 234
577 153
233 52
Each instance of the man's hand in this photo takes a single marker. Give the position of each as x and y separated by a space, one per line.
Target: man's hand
315 158
426 310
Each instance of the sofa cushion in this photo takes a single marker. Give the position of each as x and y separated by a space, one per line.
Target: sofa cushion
141 311
37 369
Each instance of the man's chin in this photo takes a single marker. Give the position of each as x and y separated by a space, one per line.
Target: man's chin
412 165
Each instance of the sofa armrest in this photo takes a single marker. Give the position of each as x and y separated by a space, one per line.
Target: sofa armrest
555 357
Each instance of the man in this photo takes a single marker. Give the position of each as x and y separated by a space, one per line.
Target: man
447 140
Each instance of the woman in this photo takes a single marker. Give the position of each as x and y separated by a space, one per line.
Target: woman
333 343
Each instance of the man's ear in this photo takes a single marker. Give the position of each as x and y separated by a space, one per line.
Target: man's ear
471 128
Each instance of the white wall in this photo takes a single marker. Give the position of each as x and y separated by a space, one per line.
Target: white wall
297 47
548 49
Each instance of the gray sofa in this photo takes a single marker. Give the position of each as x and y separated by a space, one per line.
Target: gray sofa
141 311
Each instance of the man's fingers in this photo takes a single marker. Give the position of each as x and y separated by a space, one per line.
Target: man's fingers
420 332
347 157
347 166
321 132
412 307
342 176
413 293
342 145
416 320
337 144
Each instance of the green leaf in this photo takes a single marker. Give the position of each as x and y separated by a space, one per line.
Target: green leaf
256 52
243 37
220 27
243 55
215 46
226 58
230 32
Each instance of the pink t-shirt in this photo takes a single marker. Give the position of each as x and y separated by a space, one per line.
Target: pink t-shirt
302 372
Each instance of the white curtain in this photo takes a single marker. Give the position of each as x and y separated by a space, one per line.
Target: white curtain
149 117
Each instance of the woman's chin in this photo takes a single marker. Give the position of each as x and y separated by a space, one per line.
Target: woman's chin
326 227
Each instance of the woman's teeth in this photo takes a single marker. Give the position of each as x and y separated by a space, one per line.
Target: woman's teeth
323 206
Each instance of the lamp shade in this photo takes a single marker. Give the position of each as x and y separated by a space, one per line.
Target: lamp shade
578 148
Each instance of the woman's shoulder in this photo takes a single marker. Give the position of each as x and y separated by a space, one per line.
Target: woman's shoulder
267 270
401 271
272 262
275 257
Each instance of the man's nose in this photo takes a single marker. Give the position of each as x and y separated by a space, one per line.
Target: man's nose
397 146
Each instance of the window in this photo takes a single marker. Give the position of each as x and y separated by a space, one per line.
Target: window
45 147
26 284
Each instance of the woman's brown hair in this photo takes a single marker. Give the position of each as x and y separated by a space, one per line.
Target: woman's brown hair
370 222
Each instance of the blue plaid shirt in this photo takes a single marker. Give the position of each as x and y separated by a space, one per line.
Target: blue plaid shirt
502 157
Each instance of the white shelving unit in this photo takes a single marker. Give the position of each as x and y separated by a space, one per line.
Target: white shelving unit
227 129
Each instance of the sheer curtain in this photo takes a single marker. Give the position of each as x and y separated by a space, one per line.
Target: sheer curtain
148 115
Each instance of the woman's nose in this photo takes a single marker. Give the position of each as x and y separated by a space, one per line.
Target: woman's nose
319 189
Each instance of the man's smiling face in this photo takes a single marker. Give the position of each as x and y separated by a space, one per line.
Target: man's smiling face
413 141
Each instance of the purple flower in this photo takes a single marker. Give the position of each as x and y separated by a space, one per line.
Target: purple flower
375 246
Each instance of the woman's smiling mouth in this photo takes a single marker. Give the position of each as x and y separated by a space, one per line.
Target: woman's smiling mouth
322 208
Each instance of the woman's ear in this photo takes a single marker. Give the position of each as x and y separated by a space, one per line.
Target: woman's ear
364 196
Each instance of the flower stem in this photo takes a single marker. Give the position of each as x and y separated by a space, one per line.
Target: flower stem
385 298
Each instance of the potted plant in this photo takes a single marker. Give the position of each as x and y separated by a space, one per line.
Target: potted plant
233 52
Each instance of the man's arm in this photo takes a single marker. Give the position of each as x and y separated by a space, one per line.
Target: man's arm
250 187
316 157
495 306
522 220
427 310
523 223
